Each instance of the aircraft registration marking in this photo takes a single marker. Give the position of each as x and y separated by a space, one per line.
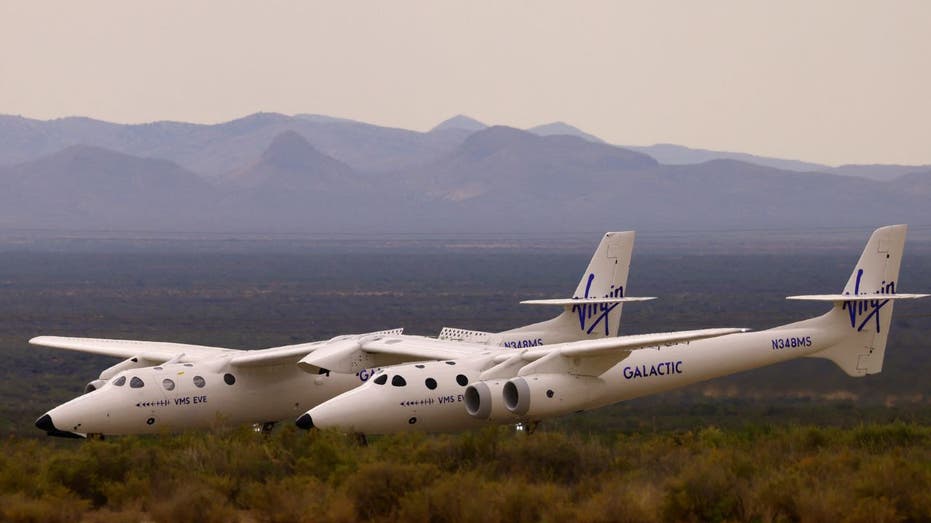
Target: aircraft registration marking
791 343
520 344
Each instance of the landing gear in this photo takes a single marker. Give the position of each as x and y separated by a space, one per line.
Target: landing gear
94 436
527 428
267 428
361 439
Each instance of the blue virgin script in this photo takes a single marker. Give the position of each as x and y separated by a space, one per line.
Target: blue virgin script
593 314
861 312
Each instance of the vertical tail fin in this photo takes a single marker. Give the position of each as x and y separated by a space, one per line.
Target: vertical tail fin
864 309
605 277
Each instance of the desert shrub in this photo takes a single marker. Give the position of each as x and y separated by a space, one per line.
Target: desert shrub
468 450
871 472
901 481
461 497
516 501
712 437
873 510
881 437
376 488
295 499
18 472
192 502
814 438
712 488
623 501
326 455
87 472
552 457
51 508
107 515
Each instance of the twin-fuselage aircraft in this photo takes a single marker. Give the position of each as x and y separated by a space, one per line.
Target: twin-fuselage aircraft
389 382
162 386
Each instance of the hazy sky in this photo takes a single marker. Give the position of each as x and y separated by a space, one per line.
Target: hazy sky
829 81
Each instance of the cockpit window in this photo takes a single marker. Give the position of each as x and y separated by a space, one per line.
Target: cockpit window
119 382
430 383
136 383
168 384
199 382
381 380
398 381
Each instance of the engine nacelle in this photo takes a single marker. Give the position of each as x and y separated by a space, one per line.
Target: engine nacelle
94 385
483 401
544 395
132 363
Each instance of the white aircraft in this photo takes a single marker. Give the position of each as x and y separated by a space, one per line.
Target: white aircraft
169 386
475 386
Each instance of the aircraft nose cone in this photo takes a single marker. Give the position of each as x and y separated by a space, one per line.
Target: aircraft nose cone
305 422
45 423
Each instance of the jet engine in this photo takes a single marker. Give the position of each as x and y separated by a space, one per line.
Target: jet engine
483 401
543 395
94 385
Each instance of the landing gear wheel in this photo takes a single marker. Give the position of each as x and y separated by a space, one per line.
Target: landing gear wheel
527 428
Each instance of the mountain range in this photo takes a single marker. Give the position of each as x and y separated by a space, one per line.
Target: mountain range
313 173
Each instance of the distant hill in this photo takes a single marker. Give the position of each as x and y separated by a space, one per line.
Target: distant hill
880 172
679 155
562 128
216 150
461 122
291 164
272 172
293 186
93 188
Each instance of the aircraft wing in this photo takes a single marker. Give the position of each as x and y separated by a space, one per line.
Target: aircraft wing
635 341
422 348
157 351
350 355
592 357
295 353
160 351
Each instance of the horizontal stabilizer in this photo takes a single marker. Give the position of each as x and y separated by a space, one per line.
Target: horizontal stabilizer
584 301
856 297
